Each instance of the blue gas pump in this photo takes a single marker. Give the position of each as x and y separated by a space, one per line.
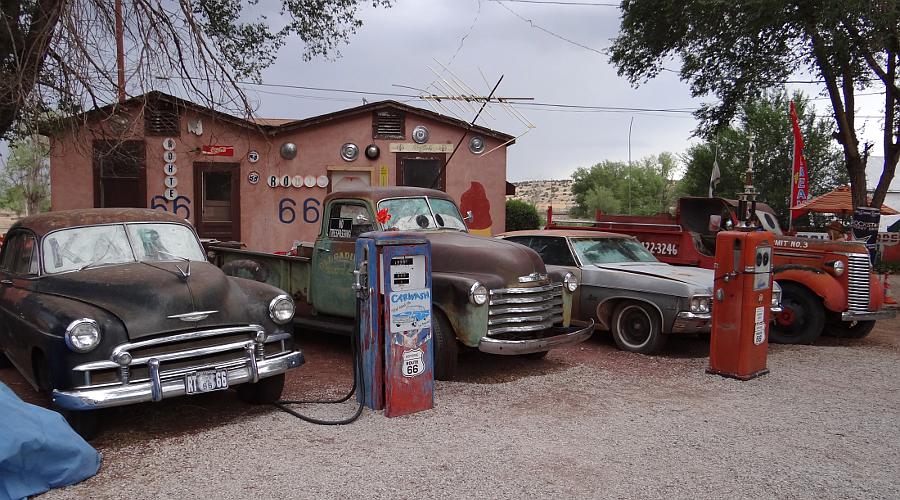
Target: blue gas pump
393 287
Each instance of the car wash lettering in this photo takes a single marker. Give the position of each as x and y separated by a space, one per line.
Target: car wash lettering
287 210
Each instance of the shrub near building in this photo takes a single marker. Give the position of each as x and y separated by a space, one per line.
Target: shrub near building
521 215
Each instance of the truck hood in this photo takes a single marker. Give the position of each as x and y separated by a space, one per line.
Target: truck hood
456 251
694 276
142 296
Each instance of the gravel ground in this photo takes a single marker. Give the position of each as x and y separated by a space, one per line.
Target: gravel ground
588 421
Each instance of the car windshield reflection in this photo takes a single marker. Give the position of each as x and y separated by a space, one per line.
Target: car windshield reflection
84 247
421 214
610 251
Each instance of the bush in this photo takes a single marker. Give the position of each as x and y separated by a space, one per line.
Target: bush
521 215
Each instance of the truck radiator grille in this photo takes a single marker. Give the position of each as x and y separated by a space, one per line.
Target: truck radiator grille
525 309
858 272
182 353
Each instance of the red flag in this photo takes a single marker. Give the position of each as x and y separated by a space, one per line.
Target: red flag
799 173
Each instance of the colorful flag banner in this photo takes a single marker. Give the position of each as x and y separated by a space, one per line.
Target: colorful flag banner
799 172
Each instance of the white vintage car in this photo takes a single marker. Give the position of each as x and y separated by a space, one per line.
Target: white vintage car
639 299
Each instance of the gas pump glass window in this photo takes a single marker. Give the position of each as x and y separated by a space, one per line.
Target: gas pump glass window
415 214
610 251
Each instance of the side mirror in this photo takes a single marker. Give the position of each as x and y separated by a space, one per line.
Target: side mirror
469 216
715 223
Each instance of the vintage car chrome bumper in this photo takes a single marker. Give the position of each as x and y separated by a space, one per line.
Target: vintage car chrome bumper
886 313
688 322
567 336
156 389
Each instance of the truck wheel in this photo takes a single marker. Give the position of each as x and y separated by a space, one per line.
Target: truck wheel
446 351
849 329
85 422
802 319
266 391
636 327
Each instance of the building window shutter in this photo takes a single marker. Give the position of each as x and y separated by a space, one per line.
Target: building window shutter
388 124
162 118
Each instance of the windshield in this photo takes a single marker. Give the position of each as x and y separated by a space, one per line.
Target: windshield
82 247
610 251
414 214
769 222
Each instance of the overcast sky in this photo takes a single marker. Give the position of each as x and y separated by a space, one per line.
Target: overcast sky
556 61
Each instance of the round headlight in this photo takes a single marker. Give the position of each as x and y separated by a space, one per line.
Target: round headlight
838 267
571 282
281 309
82 335
478 294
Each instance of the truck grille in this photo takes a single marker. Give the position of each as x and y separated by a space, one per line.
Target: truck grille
858 270
182 353
525 309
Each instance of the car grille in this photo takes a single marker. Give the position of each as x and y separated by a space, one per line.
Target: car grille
858 270
525 309
182 353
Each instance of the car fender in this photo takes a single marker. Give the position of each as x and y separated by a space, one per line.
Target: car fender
605 306
450 295
824 285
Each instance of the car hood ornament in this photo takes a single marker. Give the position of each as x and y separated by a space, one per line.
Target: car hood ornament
192 316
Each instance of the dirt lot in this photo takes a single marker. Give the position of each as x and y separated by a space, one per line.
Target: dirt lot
589 421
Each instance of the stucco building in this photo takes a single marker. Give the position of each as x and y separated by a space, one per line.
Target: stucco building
262 181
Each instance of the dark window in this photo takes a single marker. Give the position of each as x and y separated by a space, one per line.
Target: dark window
522 240
553 251
388 124
20 255
420 170
162 118
348 220
120 174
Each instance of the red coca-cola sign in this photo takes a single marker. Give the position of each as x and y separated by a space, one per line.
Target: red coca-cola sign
217 150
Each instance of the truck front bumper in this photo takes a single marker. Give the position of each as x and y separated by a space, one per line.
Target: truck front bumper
869 316
543 341
156 389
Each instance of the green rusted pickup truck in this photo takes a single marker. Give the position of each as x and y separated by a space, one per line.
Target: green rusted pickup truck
488 294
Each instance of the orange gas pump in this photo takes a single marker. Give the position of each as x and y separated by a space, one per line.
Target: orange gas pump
742 297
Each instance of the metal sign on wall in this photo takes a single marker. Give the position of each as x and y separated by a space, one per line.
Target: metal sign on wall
411 147
216 150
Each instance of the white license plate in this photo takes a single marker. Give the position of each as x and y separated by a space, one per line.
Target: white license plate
206 381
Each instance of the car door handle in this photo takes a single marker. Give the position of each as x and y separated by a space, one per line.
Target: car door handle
6 282
323 249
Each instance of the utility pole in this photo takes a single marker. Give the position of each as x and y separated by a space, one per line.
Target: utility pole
629 164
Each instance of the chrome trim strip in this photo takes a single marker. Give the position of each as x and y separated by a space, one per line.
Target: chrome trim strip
527 299
192 316
534 289
187 336
869 316
570 336
523 319
119 395
544 306
250 349
692 316
533 327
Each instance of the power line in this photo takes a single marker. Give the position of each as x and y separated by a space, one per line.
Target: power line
552 2
545 30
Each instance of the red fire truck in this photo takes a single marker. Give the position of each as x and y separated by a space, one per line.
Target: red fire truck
828 286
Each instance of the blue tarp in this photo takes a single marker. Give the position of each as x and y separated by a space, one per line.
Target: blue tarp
38 449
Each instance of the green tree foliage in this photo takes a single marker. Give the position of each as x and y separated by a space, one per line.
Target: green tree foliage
521 215
59 54
644 188
768 120
25 177
737 50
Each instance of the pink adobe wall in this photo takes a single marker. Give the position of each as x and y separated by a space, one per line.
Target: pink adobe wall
264 226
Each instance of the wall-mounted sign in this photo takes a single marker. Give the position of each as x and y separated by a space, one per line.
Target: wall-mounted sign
383 178
286 181
253 178
297 181
168 144
322 181
217 150
170 169
253 156
170 156
309 181
272 181
170 194
171 181
408 147
420 134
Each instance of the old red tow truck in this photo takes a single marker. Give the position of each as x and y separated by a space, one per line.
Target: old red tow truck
828 286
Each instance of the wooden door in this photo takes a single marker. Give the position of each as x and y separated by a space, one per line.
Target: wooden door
217 189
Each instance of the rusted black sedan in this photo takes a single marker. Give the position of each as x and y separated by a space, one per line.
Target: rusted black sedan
108 307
